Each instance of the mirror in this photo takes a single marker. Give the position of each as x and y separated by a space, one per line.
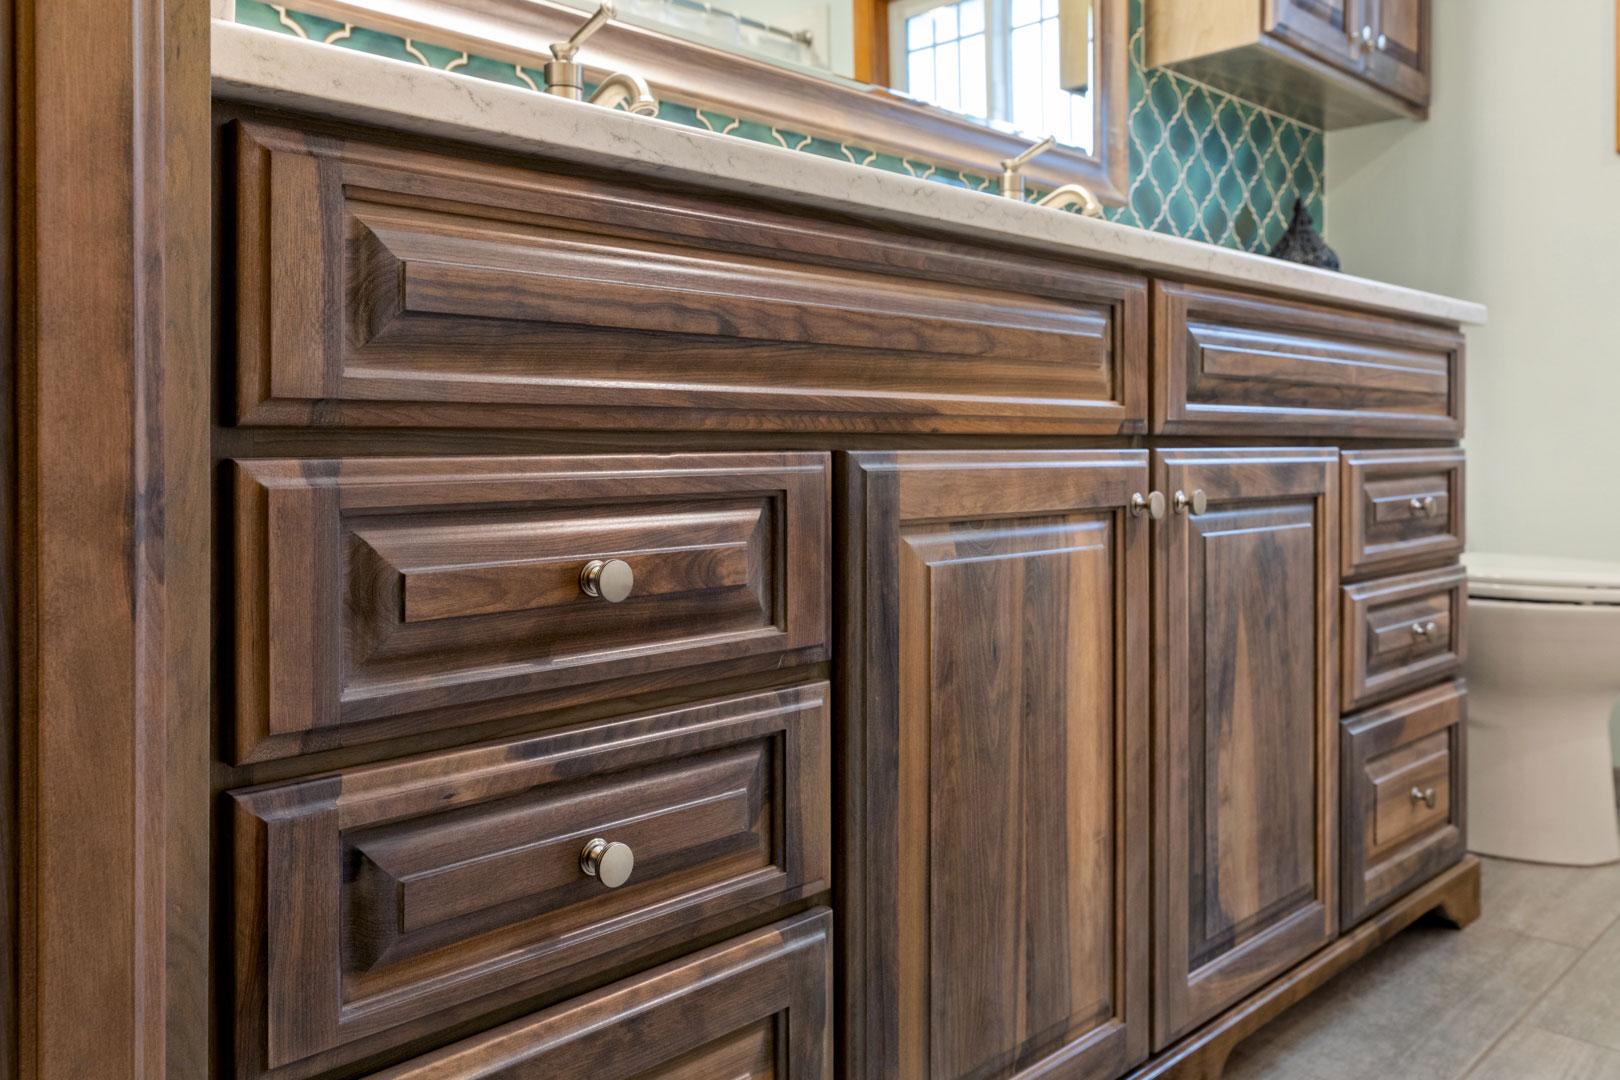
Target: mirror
956 84
1021 66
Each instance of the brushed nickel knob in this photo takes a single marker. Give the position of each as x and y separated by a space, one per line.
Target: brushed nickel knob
1152 502
1383 42
1424 630
1366 37
607 579
1197 502
1425 506
608 863
1427 798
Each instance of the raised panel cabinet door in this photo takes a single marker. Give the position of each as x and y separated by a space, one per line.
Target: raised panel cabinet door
1329 29
1245 724
994 873
1399 58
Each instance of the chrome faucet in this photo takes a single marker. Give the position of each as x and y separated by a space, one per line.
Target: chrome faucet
1012 184
565 78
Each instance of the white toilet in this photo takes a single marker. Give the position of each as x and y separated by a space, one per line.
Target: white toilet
1543 677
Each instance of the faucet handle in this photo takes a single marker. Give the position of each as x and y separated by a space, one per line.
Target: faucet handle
1012 180
565 50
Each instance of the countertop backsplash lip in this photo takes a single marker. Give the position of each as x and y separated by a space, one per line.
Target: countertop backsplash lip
263 67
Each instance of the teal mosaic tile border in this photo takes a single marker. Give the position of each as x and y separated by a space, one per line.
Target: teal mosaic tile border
1203 164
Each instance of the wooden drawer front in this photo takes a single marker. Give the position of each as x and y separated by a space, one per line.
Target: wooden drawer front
1224 360
384 286
1401 632
753 1008
379 596
398 899
1396 760
1401 507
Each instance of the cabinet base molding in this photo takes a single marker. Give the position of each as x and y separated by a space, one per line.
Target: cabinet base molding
1453 896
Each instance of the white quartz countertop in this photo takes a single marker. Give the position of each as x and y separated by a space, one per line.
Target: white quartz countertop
265 68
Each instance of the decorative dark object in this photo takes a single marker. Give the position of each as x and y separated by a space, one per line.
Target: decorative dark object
1303 244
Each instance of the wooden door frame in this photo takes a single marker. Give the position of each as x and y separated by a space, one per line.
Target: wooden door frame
109 473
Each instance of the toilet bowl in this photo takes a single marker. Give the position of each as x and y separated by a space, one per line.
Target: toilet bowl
1543 677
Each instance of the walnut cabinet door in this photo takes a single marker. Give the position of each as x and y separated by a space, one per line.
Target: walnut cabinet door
1329 29
1245 726
994 885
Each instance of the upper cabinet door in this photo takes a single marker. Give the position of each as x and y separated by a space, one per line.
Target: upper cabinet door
1245 724
1399 58
1330 29
995 852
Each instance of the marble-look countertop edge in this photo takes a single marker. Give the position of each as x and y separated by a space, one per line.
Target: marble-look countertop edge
261 67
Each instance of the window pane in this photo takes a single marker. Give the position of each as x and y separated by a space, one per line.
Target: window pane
1025 72
974 89
1025 12
945 23
947 77
919 33
920 73
972 14
1049 9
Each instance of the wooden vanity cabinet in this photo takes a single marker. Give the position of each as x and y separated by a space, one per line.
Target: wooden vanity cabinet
993 883
1245 724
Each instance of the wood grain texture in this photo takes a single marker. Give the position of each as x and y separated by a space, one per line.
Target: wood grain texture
1399 60
1246 738
376 596
1392 842
754 1008
994 848
1328 29
1225 362
1387 645
384 286
399 899
1383 530
110 413
1452 895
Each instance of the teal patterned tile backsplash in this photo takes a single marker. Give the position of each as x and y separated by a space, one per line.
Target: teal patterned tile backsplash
1203 164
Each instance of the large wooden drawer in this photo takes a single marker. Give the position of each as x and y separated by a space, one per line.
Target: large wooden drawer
1402 632
378 596
1226 361
1403 797
754 1008
381 286
388 901
1401 507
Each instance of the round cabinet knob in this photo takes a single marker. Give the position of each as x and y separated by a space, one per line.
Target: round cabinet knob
1427 798
607 579
1383 42
608 863
1425 630
1196 503
1425 506
1152 503
1367 34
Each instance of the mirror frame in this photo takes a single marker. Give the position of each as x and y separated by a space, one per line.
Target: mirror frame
708 77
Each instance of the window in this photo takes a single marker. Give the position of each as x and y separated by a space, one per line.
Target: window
1005 61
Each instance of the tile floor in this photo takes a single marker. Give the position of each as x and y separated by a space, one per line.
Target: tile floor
1529 992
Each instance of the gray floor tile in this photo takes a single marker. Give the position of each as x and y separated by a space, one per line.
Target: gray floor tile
1568 904
1585 1004
1531 1053
1424 1007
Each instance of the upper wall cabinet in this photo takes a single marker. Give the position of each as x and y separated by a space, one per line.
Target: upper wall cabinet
1333 63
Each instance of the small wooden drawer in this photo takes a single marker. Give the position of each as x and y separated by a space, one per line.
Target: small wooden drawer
754 1008
1401 507
391 901
1227 360
1401 632
387 287
1403 796
382 596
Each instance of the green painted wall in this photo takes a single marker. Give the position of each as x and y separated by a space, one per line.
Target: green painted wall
1203 164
